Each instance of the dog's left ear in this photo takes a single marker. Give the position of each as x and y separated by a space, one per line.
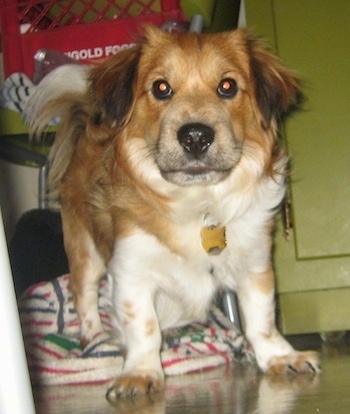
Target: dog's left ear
112 88
277 89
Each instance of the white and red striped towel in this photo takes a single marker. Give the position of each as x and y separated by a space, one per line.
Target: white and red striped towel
51 333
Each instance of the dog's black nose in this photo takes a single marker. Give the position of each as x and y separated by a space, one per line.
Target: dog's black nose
195 138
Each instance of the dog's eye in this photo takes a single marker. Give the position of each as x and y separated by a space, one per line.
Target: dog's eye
162 90
227 88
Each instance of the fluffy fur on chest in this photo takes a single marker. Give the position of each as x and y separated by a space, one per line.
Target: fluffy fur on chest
165 140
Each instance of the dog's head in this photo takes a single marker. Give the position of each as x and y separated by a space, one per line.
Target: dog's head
196 104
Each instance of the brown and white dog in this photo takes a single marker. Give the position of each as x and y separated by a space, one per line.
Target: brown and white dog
169 173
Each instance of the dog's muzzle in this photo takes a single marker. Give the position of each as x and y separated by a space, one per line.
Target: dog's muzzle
195 138
196 154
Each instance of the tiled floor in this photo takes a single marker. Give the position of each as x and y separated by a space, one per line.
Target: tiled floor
235 389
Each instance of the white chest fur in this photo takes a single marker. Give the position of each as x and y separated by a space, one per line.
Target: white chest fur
182 285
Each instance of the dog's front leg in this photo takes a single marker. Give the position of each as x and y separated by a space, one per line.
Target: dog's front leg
273 353
138 322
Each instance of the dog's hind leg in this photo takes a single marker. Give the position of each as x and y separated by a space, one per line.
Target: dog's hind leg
86 268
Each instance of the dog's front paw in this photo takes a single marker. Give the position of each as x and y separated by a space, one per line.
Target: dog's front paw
136 383
295 362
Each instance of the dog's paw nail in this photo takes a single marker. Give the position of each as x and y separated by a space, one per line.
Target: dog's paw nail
292 369
311 367
111 394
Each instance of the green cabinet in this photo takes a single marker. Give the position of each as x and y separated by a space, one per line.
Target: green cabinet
313 266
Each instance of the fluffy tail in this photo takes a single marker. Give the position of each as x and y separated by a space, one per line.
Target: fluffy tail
41 107
61 94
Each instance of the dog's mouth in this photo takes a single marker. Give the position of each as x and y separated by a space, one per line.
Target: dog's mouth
195 174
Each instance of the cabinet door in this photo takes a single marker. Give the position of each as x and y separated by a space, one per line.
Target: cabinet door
313 268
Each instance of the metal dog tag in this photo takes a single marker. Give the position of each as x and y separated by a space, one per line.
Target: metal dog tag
213 239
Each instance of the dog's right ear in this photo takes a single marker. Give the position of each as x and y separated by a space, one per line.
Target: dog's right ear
112 88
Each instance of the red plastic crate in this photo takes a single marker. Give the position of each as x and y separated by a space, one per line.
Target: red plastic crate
84 29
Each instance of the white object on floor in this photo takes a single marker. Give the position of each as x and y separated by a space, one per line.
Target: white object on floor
15 391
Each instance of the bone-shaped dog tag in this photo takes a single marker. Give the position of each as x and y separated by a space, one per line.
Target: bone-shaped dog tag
213 239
